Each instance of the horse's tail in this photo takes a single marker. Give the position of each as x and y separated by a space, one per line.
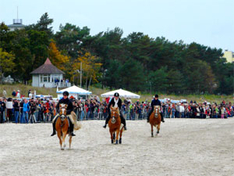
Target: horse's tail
77 125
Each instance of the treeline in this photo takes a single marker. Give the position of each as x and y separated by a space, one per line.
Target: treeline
136 62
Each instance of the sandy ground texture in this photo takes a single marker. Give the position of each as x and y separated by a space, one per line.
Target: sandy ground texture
184 147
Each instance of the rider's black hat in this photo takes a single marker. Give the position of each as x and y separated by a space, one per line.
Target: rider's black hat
65 93
156 96
116 94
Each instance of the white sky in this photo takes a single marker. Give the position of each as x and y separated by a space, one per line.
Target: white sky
207 22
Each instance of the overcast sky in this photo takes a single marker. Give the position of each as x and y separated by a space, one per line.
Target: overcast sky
207 22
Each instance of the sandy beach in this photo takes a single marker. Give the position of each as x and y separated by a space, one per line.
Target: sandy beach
184 147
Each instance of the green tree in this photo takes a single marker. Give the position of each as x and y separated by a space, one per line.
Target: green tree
6 62
157 80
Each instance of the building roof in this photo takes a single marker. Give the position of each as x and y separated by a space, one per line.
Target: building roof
47 68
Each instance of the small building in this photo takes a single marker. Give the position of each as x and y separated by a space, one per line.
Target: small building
47 75
17 24
229 55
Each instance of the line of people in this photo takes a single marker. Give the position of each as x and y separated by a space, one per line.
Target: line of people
39 110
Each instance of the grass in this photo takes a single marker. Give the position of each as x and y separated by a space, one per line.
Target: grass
97 91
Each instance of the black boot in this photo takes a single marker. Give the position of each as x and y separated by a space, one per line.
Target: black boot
107 120
71 129
123 121
162 119
148 119
54 131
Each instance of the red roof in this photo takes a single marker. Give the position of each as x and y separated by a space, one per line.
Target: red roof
47 68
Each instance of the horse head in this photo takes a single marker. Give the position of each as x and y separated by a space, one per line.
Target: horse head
156 111
63 111
114 114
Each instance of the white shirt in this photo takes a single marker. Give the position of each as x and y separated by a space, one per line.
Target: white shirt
116 103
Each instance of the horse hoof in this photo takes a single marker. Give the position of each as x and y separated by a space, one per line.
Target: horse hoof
116 142
112 141
120 141
62 148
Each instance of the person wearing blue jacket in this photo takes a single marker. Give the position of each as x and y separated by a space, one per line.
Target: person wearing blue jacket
25 111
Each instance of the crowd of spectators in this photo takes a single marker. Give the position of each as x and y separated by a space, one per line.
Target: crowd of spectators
35 110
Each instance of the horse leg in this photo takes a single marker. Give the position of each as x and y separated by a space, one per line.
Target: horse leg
120 138
70 140
117 137
63 140
112 140
152 131
158 128
59 136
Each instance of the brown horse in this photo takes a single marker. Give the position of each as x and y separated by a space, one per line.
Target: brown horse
62 126
115 126
155 120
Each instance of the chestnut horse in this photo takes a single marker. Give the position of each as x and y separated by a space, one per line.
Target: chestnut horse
62 126
115 126
155 120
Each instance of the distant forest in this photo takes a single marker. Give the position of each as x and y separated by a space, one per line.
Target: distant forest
137 62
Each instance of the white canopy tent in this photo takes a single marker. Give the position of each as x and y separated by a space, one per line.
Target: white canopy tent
73 91
122 93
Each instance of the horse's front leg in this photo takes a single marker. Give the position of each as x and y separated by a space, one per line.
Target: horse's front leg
60 139
63 140
158 128
120 136
152 131
117 136
112 139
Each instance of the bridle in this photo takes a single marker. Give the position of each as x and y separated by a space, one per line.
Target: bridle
63 111
156 109
114 115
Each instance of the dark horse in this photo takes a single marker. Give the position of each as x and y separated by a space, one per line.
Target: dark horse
115 125
62 126
155 120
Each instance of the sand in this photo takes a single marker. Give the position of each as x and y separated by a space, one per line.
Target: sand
184 147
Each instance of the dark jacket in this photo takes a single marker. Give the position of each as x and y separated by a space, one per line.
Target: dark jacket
155 102
65 101
16 106
112 102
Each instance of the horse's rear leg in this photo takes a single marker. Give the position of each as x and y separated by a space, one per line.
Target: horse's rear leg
152 131
70 141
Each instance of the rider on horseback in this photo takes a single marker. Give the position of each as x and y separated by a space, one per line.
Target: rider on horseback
64 100
155 102
115 102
